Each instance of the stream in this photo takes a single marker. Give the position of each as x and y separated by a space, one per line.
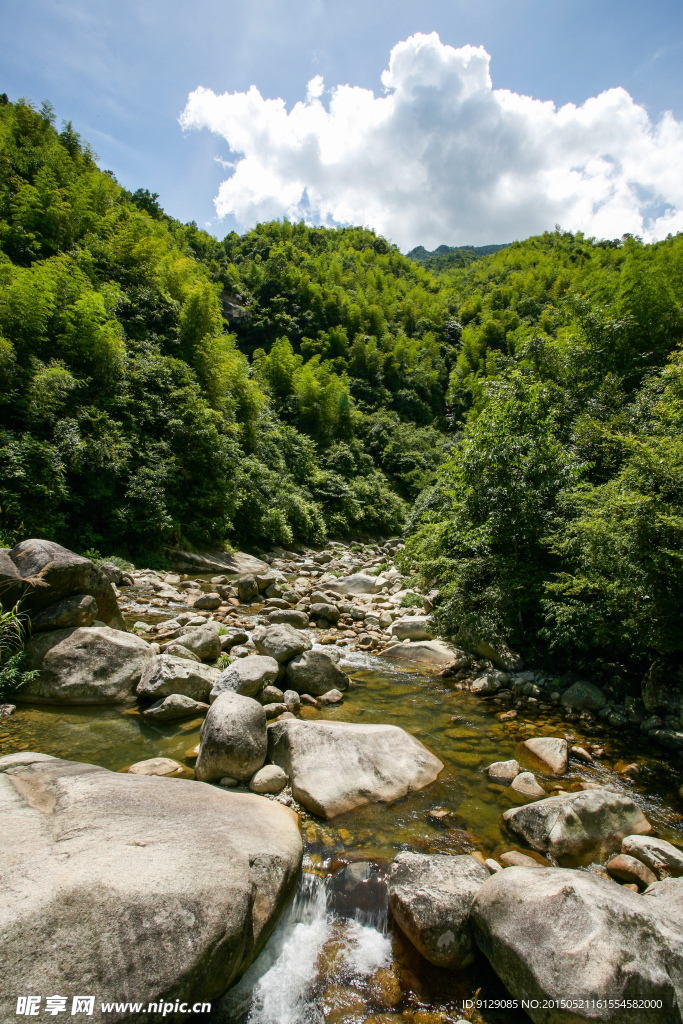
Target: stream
336 957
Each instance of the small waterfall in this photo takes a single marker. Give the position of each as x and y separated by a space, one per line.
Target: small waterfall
282 986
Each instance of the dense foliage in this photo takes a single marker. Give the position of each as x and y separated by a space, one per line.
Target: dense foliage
523 408
445 257
158 386
556 525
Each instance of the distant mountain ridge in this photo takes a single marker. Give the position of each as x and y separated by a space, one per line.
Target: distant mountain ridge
446 256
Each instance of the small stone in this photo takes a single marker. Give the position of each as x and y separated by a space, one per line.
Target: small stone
227 782
625 868
507 716
582 754
526 785
269 779
513 858
274 710
331 697
158 766
503 771
309 701
492 865
292 699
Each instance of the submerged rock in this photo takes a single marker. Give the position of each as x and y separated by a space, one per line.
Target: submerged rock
85 665
430 897
232 740
551 751
558 934
146 891
588 825
336 766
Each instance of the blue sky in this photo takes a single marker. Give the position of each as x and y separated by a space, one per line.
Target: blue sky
123 71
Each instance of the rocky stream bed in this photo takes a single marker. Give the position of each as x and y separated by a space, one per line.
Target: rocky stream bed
411 795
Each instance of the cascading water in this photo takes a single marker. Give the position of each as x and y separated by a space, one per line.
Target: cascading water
310 949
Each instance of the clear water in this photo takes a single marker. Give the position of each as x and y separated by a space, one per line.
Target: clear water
331 962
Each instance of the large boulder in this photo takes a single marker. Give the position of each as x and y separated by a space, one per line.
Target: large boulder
281 642
293 616
315 673
430 654
233 740
587 826
129 887
670 890
665 859
93 665
246 676
413 627
583 697
579 947
430 898
337 766
324 610
166 674
214 562
62 573
203 641
77 610
358 583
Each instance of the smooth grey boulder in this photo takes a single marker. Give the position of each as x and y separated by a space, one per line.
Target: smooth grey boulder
665 859
503 771
315 673
588 825
269 779
127 885
557 934
357 583
203 641
247 589
179 651
430 897
670 891
552 751
281 642
232 740
324 610
583 697
337 766
77 610
173 707
246 676
293 701
214 561
63 573
429 654
166 674
293 616
413 627
85 665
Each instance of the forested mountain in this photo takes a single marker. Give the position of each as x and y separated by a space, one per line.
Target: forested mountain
445 257
521 413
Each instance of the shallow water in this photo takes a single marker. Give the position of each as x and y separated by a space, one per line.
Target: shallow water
327 949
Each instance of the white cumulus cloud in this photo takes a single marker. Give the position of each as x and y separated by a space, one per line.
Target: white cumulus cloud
442 156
